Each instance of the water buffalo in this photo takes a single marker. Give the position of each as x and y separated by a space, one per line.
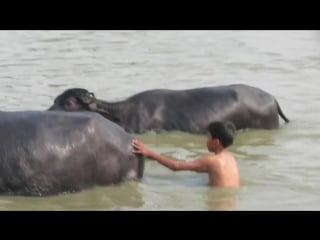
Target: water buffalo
46 153
185 110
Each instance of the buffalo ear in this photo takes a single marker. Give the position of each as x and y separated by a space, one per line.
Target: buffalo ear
87 98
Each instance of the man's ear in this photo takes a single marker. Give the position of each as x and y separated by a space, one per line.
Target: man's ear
216 141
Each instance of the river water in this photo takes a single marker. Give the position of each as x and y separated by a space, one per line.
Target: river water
279 169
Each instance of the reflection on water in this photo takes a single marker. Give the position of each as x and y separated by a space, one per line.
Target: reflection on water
254 144
219 199
279 169
124 196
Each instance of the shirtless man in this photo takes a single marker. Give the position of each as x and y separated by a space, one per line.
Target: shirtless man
221 167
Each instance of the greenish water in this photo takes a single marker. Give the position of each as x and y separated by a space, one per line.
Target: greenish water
279 168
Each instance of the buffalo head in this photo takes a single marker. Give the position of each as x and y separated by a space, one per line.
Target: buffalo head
79 99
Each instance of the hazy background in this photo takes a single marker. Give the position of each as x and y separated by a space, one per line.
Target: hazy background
279 169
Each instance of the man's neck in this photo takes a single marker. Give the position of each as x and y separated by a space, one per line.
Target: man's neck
219 150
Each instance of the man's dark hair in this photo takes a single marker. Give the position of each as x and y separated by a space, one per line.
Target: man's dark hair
224 131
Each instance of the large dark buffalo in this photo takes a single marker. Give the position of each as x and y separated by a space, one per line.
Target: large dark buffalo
45 153
184 110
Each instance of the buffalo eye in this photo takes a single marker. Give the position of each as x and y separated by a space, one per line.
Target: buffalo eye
71 104
68 105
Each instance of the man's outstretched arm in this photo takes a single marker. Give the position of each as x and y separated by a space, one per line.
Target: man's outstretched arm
198 165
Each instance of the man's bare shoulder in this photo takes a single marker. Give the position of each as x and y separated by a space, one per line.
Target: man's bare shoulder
222 158
209 158
208 155
216 159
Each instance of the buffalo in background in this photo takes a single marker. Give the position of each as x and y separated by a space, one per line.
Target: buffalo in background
188 110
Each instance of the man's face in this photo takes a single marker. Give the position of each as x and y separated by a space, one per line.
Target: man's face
211 142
